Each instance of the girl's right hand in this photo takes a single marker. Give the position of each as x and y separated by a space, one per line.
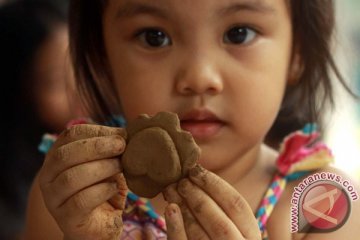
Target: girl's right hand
82 184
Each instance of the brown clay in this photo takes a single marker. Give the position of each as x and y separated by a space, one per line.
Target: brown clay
158 153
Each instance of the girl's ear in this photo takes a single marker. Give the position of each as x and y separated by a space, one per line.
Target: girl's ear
296 67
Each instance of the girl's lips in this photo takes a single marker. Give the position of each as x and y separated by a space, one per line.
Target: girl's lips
201 123
201 130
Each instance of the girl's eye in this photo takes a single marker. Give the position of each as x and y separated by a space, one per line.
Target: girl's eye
154 38
239 35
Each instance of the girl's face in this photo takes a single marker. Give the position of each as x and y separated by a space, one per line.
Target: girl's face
222 66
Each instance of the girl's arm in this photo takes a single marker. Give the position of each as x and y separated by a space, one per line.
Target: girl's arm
39 223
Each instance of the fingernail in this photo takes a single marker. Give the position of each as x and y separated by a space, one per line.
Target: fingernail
171 211
183 187
172 217
168 193
119 143
196 170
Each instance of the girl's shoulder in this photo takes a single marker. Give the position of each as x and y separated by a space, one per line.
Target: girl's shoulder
321 205
318 201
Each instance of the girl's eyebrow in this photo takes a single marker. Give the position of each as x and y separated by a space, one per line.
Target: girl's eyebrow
133 8
252 5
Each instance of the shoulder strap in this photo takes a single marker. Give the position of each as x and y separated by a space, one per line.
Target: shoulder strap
300 153
140 210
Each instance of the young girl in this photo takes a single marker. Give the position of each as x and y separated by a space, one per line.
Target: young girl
227 68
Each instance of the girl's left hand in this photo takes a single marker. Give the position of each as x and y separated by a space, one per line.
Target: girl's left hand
210 209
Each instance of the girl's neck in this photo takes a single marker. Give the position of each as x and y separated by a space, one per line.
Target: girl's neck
254 184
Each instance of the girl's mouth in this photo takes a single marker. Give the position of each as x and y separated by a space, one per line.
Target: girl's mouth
201 123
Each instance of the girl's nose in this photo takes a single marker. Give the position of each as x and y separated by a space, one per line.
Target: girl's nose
198 77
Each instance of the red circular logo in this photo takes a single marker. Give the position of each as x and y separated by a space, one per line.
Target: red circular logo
325 206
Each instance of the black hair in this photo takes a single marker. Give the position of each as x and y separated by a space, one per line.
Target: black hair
24 26
313 24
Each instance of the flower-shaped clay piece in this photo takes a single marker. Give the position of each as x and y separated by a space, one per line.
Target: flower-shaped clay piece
157 154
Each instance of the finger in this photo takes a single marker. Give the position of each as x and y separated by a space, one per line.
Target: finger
84 131
236 207
79 152
192 227
211 217
174 223
79 206
79 177
118 200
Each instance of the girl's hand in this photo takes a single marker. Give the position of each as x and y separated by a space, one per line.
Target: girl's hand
211 209
82 184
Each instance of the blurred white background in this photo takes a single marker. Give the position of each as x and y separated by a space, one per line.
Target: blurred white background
343 130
